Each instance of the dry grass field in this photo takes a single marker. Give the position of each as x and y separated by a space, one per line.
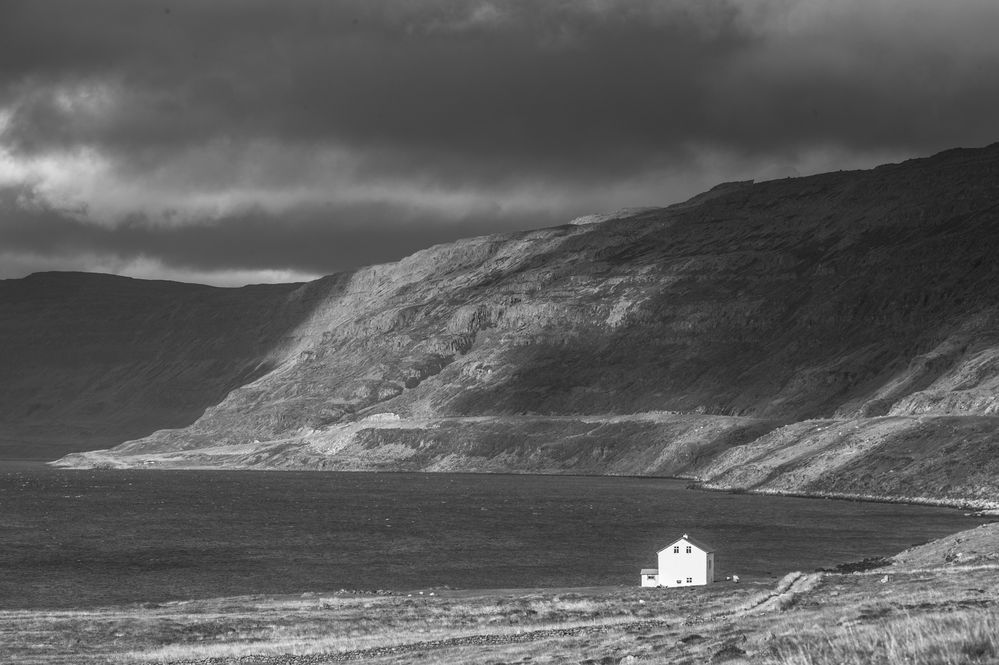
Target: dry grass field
945 614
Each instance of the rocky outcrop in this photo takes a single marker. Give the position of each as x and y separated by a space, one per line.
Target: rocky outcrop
978 547
865 300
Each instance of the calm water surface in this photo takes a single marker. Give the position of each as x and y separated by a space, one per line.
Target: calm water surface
79 538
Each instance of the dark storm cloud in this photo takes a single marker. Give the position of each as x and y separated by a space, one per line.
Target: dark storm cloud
532 86
254 115
529 85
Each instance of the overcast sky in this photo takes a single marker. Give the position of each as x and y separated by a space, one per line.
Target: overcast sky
231 142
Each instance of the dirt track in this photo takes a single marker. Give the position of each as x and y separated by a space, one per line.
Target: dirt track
430 645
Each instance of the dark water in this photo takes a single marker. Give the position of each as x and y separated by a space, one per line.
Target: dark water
77 538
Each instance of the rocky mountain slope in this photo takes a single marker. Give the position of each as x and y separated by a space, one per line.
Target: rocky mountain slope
830 334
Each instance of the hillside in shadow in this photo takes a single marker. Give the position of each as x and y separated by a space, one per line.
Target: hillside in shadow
92 360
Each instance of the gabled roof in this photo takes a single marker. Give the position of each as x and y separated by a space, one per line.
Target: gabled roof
693 541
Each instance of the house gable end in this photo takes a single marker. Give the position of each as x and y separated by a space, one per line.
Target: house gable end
687 540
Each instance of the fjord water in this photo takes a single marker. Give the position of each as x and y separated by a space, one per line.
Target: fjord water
85 538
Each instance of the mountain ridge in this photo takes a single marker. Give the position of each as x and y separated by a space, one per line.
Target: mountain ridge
864 298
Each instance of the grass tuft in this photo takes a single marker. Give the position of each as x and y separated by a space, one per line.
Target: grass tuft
958 638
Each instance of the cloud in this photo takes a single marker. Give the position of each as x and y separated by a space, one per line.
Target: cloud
251 244
151 123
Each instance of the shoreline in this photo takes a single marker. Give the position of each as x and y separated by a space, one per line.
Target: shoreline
978 507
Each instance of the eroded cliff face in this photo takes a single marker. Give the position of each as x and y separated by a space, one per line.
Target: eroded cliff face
868 300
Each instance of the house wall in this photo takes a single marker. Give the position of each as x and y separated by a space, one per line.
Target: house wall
683 566
646 581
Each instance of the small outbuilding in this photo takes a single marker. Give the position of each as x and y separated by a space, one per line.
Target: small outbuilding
684 562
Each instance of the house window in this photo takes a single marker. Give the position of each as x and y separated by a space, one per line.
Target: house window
690 580
679 582
650 577
676 550
688 549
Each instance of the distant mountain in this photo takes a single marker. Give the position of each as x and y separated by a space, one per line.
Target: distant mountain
91 360
831 334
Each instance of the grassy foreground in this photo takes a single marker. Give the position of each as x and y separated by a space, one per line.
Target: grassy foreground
936 604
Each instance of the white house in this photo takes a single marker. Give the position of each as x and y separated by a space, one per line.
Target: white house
684 562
